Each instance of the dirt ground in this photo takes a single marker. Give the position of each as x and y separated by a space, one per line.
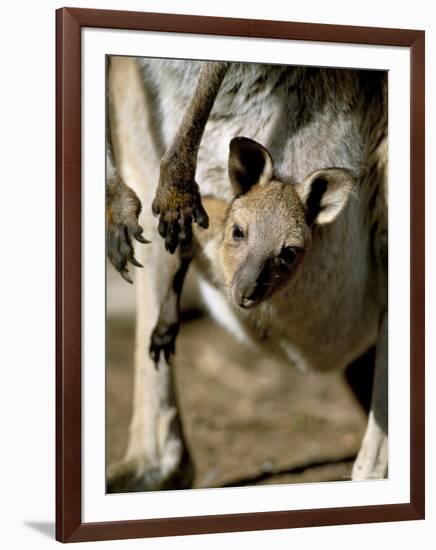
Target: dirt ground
248 419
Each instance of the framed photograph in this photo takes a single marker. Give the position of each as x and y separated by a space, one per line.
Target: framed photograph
240 275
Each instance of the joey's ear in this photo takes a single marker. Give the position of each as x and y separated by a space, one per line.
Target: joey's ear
325 193
249 163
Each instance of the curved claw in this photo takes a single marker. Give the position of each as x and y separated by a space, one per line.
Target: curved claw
136 233
134 261
125 276
141 239
120 248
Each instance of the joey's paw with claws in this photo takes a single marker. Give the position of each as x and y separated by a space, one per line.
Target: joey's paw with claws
178 207
163 340
123 209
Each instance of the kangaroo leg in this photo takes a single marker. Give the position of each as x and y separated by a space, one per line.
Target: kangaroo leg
156 456
122 204
163 338
177 199
165 332
372 460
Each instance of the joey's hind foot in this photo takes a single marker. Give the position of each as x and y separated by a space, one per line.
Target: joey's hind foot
163 340
178 205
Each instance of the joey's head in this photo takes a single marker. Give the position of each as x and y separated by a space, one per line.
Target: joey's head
269 225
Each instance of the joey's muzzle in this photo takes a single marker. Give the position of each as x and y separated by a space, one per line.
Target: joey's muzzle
250 284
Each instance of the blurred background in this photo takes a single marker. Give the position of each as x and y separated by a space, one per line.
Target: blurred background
248 419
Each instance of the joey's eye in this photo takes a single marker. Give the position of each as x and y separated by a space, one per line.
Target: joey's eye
237 233
288 254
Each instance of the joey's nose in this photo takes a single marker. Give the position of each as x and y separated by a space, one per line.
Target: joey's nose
245 302
243 297
247 285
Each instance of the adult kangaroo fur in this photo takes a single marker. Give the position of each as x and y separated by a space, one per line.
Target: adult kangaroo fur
300 122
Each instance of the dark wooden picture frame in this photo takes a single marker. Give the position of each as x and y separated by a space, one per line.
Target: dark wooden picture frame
69 526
